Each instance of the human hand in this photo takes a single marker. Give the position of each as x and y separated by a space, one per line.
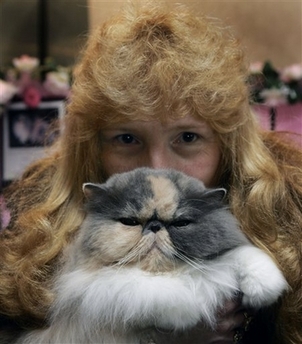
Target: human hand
230 318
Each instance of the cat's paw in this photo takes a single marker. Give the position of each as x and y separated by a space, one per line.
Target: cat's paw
260 280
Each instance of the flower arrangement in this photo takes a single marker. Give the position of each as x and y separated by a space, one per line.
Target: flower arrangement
274 87
29 81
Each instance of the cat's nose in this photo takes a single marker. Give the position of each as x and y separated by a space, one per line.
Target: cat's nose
152 226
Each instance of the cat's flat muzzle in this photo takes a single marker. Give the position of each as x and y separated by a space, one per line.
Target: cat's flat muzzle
152 227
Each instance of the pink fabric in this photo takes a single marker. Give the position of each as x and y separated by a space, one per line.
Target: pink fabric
4 214
288 118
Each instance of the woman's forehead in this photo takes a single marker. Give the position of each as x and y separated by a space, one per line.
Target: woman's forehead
186 123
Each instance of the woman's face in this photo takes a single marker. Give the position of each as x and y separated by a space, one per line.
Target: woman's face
187 144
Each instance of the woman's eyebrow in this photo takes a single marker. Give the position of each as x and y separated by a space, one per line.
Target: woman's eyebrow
189 126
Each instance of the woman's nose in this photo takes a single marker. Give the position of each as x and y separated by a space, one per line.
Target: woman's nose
159 159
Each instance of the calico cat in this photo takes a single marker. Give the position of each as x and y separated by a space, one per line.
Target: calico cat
156 250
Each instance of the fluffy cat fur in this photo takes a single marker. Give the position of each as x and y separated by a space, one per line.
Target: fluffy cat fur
157 250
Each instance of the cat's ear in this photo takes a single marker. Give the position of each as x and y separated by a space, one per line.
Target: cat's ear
218 194
90 189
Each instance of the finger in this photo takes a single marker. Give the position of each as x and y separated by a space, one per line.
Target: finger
231 306
230 322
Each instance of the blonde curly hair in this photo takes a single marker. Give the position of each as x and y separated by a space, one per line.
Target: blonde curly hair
154 62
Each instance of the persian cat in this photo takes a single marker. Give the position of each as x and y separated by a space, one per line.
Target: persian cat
156 250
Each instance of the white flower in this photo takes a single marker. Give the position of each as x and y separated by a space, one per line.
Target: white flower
274 96
11 75
57 83
26 63
292 73
7 91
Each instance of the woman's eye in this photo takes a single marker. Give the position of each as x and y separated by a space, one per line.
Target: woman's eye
129 221
181 223
126 139
187 137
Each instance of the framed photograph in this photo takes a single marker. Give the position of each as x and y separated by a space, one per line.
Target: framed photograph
1 149
26 132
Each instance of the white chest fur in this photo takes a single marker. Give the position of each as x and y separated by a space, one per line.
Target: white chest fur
113 305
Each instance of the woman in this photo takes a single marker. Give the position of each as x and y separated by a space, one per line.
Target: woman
161 88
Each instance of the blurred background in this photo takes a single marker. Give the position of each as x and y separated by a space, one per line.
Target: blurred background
40 41
53 28
270 29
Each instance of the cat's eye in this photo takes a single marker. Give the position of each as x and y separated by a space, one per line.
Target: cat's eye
128 221
181 223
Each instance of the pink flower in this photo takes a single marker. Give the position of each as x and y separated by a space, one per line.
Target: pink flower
274 96
256 67
26 63
7 91
31 96
292 73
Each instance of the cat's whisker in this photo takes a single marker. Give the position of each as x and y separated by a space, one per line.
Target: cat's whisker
134 253
197 264
126 259
168 251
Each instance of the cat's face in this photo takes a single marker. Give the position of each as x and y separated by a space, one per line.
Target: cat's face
153 218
